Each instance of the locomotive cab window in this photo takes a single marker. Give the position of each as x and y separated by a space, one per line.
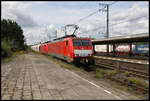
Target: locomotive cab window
78 42
86 42
66 43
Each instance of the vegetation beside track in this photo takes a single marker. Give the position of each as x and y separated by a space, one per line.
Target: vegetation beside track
124 81
12 40
125 77
7 59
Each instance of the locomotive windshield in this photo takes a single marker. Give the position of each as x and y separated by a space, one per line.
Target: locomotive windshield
78 42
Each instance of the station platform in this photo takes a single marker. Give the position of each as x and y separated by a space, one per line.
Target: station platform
145 62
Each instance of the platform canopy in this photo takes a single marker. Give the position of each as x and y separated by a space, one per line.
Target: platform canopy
123 39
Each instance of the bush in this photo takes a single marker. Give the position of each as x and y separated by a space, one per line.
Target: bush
127 74
6 49
139 82
100 73
127 81
112 73
12 33
129 89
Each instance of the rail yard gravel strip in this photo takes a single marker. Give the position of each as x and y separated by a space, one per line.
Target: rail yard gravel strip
32 76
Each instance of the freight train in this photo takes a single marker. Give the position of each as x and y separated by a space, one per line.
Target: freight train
36 47
137 49
69 48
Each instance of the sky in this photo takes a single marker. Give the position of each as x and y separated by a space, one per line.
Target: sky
41 19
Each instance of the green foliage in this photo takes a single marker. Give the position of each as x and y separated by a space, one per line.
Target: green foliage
28 48
10 30
139 82
112 73
127 81
5 49
127 74
100 73
12 38
131 80
128 88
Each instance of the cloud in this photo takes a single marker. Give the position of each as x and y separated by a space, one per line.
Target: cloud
51 26
41 33
41 19
35 34
16 11
134 21
25 20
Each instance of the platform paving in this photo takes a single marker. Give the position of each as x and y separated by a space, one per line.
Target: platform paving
31 76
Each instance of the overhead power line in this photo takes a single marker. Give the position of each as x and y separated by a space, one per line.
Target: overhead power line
113 3
112 24
95 13
89 15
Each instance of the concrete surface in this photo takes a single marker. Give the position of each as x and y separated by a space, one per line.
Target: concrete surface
32 76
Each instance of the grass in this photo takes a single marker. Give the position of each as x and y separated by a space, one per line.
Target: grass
112 73
127 74
100 73
6 60
127 78
139 82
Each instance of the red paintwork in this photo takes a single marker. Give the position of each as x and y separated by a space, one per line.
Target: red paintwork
60 48
44 48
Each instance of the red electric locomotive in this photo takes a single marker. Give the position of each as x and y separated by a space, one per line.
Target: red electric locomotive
71 49
43 48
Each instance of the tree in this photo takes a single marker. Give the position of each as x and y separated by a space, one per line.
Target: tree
12 35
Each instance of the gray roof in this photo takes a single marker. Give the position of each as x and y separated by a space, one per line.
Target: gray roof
124 39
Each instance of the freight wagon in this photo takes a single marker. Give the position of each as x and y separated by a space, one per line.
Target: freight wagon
142 49
124 50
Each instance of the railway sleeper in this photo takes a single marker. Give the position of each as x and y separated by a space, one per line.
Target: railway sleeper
137 71
105 65
133 73
137 87
113 67
102 62
135 66
134 86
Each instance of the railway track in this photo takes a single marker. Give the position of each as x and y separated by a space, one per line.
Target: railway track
139 70
122 56
137 88
134 86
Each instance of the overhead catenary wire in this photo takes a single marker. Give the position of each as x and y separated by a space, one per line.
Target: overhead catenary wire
113 3
89 15
92 13
112 24
95 13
